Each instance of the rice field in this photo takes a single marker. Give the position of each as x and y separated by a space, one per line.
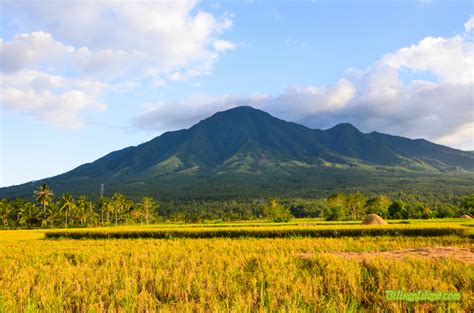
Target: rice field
243 274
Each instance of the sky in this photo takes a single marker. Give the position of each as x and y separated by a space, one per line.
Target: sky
81 78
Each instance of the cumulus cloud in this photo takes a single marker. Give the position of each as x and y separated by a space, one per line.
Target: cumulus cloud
119 43
27 50
451 59
469 25
181 114
376 98
159 36
223 45
54 99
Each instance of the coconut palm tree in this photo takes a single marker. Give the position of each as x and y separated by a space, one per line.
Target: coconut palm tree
6 212
102 204
85 211
120 205
53 215
44 196
67 206
30 215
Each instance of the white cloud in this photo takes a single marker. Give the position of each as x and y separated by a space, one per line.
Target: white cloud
51 98
223 45
451 60
469 25
27 50
462 137
161 36
376 98
181 114
120 43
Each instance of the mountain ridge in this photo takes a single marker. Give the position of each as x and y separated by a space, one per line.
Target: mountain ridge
248 141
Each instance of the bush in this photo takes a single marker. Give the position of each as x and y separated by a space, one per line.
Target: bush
398 210
336 214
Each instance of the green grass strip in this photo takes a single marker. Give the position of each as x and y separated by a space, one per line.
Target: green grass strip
259 233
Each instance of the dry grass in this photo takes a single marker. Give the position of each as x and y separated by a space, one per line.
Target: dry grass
222 274
373 219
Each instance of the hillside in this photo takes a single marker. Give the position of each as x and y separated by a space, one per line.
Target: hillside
243 151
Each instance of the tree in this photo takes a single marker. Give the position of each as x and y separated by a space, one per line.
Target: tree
18 205
398 210
420 210
355 203
30 216
68 206
336 207
120 205
276 212
44 196
7 212
336 213
448 211
467 206
336 200
378 205
85 211
53 215
146 210
102 204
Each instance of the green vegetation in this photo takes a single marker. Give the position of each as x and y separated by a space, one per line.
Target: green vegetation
264 232
67 211
244 154
276 212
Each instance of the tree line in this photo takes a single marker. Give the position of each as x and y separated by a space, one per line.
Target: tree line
46 211
354 206
66 211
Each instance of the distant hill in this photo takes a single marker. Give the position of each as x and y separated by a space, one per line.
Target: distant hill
247 152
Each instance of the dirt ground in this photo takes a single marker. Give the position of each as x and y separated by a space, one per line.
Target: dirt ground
461 254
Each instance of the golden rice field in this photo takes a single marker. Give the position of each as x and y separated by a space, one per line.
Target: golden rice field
294 274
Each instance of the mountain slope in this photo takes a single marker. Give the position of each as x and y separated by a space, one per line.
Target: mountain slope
256 146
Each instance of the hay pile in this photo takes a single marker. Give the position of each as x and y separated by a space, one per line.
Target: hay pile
373 219
465 216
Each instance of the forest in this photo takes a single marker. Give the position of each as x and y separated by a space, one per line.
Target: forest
50 211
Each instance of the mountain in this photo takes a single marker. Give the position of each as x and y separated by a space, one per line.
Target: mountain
245 150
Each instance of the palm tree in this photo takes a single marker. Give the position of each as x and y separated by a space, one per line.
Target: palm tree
67 206
30 215
6 212
85 210
102 203
18 204
53 214
109 209
119 205
44 196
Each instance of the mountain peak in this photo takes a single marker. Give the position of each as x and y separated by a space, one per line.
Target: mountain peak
345 126
247 108
247 141
240 110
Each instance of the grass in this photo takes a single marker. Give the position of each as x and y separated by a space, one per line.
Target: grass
224 274
262 232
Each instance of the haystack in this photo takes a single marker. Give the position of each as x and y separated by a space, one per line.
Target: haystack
466 216
373 219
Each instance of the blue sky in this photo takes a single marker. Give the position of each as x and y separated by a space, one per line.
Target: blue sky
84 79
